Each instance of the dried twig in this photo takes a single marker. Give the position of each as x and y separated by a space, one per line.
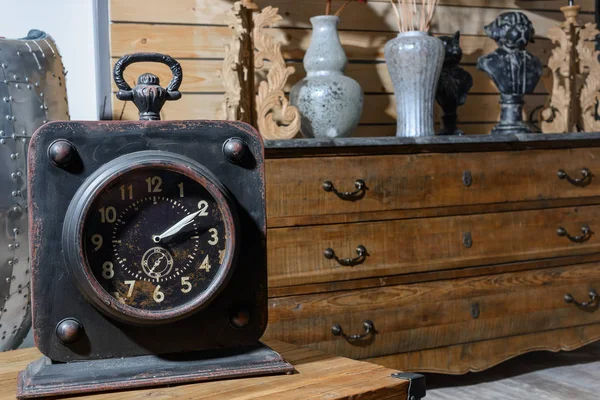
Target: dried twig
339 11
411 17
328 7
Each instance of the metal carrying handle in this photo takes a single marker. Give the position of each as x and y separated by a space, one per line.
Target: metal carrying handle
587 234
586 177
348 262
148 95
358 194
584 304
368 326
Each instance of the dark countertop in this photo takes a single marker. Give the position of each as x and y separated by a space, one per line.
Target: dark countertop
430 144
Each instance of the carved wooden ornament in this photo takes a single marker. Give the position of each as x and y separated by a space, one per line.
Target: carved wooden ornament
270 110
575 73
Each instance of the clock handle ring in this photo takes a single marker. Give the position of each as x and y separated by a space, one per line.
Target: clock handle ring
148 95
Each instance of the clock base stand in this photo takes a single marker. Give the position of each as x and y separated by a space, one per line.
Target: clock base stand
46 378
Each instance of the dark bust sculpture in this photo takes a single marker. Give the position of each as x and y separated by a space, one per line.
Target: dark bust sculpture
514 70
453 86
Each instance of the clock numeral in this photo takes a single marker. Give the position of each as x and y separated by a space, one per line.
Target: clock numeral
127 190
97 241
154 184
108 214
158 296
205 265
203 207
180 189
107 270
131 285
187 286
214 238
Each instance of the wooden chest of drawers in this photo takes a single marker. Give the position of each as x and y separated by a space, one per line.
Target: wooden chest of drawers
434 254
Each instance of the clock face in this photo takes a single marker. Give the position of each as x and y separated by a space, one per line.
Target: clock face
154 239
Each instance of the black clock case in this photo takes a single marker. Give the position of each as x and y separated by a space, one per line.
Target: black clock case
55 295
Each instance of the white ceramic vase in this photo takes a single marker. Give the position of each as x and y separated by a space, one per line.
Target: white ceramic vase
329 102
414 60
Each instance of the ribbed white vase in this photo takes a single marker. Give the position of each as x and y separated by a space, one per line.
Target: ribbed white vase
414 60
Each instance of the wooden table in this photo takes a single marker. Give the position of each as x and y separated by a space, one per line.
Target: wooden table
318 376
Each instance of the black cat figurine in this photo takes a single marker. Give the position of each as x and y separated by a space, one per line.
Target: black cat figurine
453 86
514 70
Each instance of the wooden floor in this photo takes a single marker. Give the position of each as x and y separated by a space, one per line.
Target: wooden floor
571 375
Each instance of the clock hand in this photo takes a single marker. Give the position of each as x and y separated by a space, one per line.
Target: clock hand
157 263
175 229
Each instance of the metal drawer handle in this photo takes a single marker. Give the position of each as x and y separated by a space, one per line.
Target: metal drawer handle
584 304
585 180
348 262
368 326
587 234
358 194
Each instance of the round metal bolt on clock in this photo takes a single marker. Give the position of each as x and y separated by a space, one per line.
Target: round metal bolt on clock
61 152
68 330
234 149
240 319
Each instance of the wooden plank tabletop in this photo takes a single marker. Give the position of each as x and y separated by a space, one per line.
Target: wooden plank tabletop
318 376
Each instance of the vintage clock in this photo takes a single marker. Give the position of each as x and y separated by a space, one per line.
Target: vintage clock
148 260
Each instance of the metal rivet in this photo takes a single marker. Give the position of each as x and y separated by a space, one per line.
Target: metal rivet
26 79
61 152
16 77
8 117
16 261
5 99
10 263
475 311
240 319
11 246
37 84
68 330
42 94
41 107
2 141
17 245
13 156
3 65
17 86
16 231
234 150
28 86
18 53
13 118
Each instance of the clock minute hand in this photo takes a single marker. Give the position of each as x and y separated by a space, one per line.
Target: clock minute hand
175 229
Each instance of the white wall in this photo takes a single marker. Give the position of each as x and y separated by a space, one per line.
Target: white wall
71 24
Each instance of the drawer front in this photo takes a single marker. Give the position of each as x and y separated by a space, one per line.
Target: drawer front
297 255
295 187
435 314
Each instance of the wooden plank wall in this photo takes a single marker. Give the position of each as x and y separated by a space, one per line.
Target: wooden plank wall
194 32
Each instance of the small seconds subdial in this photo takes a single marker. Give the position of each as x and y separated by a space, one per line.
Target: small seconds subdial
154 238
157 263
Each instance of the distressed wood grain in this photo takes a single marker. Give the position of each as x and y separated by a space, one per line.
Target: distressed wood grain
419 181
478 356
435 314
295 254
318 376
